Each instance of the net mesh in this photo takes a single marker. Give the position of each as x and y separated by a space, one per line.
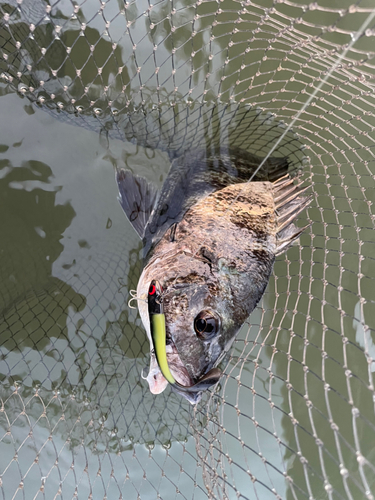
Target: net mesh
293 417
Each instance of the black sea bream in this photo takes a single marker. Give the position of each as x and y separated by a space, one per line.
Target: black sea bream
210 240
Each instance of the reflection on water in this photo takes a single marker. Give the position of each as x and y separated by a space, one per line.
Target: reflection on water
31 228
295 416
73 353
56 338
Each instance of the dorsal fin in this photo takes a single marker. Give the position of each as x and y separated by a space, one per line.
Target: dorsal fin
289 203
137 197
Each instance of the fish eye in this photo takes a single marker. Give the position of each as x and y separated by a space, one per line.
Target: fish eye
206 325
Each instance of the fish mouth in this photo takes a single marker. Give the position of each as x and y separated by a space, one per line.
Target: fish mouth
156 379
176 366
184 383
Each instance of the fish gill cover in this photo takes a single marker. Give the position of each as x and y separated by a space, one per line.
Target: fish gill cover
293 416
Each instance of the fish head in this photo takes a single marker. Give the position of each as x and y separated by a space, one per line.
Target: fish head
200 322
199 325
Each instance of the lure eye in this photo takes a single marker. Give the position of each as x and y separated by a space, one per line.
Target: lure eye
155 288
206 325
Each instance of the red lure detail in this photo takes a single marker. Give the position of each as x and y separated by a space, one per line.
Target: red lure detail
152 290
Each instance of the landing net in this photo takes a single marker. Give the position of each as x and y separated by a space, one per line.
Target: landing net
294 415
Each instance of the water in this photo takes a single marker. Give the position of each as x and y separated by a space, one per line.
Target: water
296 412
73 351
67 348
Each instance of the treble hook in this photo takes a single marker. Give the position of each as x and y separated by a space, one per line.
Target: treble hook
134 296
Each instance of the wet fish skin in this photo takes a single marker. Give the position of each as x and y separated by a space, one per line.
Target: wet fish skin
220 259
210 241
194 176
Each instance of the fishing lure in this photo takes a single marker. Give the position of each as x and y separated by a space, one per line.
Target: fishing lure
158 334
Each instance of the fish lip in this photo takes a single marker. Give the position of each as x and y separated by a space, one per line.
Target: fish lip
192 397
158 383
155 379
189 387
178 368
176 365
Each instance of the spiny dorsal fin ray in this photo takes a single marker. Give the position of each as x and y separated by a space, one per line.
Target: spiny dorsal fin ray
288 204
282 204
137 197
289 237
282 183
285 192
288 216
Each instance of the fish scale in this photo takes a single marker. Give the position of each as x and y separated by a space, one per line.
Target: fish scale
211 241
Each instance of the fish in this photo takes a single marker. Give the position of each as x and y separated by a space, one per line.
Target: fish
210 239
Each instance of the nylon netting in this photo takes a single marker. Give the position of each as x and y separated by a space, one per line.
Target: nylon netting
293 417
